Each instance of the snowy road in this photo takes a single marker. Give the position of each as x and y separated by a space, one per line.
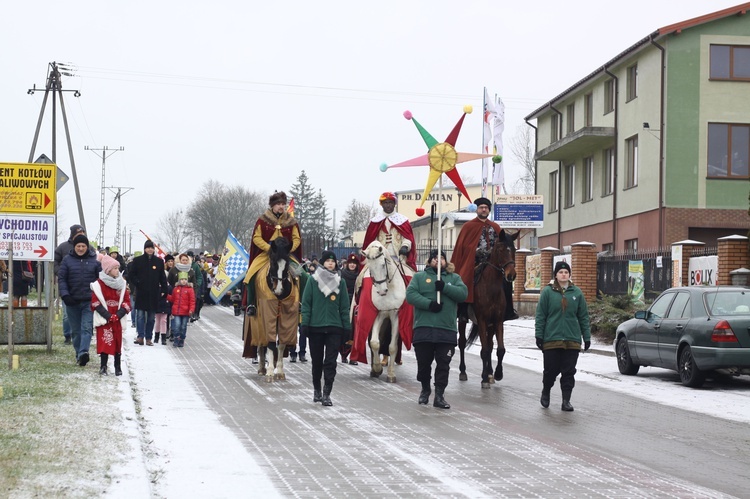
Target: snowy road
212 428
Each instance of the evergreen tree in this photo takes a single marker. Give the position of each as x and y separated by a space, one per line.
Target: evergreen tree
304 201
321 217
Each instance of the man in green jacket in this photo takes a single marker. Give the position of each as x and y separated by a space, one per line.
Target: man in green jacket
562 319
435 300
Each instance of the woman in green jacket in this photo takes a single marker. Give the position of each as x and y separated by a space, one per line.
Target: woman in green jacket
562 319
435 331
325 320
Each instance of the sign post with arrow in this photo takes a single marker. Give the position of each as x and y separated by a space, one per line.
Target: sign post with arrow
32 236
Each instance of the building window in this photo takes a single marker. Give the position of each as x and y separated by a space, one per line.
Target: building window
609 172
554 128
728 150
609 96
632 82
553 184
588 110
608 248
570 183
730 62
570 119
631 246
631 170
588 179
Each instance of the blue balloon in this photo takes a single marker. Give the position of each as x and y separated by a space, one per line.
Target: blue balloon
383 167
472 208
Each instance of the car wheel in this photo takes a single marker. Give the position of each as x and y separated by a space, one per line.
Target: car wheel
690 375
624 361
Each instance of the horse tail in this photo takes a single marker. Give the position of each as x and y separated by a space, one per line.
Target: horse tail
473 335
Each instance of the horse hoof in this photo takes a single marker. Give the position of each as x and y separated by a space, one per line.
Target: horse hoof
373 374
491 379
463 377
280 376
498 376
261 372
391 379
486 384
269 378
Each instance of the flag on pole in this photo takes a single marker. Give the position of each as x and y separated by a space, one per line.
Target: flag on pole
232 267
486 136
159 252
498 127
290 209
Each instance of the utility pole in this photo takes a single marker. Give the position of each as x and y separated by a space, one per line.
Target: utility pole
118 198
104 156
54 86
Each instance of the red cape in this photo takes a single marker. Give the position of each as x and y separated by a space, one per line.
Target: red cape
404 229
366 313
465 250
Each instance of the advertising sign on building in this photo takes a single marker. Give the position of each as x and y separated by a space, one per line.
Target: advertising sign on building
520 211
703 270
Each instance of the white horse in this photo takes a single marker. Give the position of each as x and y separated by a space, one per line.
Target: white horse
388 294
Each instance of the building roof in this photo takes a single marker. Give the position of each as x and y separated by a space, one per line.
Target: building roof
675 29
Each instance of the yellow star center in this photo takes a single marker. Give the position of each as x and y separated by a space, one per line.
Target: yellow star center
442 157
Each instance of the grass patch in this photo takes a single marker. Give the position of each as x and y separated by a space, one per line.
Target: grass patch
57 423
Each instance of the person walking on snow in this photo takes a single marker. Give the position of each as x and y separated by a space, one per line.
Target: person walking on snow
182 299
562 319
110 303
147 276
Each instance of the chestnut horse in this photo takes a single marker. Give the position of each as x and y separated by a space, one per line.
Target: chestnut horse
487 313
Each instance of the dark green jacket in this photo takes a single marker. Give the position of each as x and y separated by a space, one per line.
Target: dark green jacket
559 328
325 312
421 292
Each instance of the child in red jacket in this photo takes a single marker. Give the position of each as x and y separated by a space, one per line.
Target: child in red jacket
110 302
182 299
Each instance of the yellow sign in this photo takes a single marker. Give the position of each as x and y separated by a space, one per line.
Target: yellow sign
28 187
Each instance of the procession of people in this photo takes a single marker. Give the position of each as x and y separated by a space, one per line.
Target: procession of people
323 303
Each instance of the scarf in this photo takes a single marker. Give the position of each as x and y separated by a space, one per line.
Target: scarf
116 283
328 281
183 267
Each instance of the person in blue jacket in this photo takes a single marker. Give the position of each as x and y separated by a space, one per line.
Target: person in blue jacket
77 271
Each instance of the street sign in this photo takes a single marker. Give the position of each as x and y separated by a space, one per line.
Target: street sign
519 211
28 187
61 176
32 236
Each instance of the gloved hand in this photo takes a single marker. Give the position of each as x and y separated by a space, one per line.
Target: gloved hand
403 251
435 306
539 343
304 330
121 313
114 318
69 301
439 285
586 345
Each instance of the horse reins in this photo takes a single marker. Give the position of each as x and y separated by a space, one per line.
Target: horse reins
388 277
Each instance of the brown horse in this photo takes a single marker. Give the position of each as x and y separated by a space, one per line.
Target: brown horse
487 313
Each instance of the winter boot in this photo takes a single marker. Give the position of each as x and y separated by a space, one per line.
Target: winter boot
327 395
317 395
545 397
566 402
439 400
103 366
302 358
164 339
118 367
293 357
156 337
424 396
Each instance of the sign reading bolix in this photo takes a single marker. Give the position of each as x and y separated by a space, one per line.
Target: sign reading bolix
32 237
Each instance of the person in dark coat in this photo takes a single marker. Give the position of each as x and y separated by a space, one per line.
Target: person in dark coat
77 271
63 249
21 283
150 282
349 274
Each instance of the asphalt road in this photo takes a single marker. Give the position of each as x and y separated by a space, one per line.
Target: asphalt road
376 440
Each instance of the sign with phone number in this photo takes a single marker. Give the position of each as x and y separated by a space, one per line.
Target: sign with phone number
31 237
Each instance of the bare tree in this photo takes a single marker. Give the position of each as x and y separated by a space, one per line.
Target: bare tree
173 231
522 149
218 208
357 217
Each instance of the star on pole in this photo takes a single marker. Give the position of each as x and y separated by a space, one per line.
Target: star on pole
441 157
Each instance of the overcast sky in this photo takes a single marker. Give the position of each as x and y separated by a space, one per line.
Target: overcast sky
251 93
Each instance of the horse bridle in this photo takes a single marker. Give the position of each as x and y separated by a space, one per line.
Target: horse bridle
388 277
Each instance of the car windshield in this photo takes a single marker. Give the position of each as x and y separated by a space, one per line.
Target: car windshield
727 302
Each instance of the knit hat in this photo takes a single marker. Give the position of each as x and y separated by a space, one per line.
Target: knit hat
148 244
560 266
434 253
75 230
108 263
114 249
168 258
81 238
276 198
387 196
352 258
328 255
484 201
183 275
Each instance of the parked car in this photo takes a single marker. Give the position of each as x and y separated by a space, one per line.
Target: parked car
693 330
